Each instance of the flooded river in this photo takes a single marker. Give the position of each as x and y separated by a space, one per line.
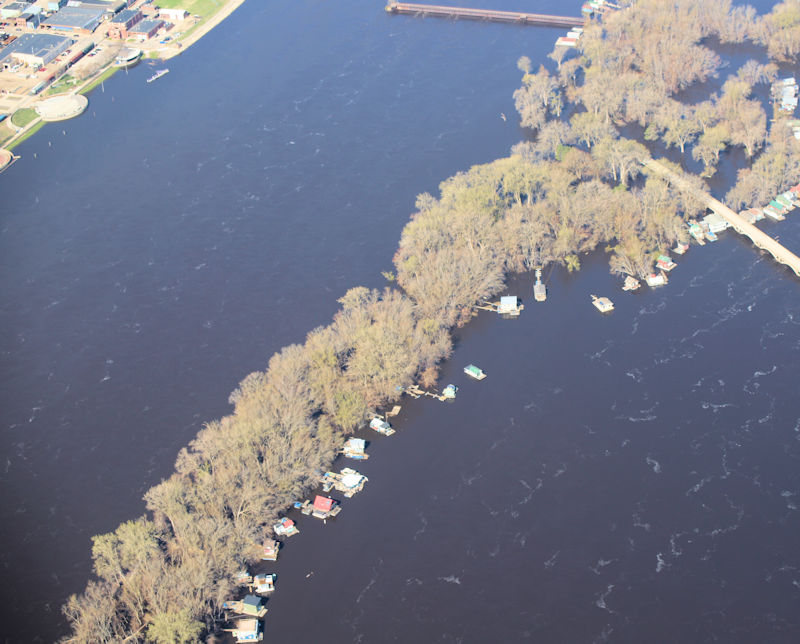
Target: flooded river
623 478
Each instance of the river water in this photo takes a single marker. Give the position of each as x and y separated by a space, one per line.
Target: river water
616 478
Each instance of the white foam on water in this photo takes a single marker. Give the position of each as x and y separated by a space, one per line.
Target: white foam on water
552 560
674 549
698 486
450 579
634 374
531 490
660 563
601 563
654 464
638 419
371 582
604 635
423 525
600 602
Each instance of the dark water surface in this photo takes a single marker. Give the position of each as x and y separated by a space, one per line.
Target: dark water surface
632 477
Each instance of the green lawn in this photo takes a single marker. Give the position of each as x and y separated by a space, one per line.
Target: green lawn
63 84
27 134
24 116
204 8
108 73
5 133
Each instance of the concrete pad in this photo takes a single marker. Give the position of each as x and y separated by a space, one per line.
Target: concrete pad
60 108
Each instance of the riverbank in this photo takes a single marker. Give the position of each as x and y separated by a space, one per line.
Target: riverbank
200 30
10 136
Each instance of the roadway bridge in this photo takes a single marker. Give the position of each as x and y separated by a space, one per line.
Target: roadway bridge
759 238
520 17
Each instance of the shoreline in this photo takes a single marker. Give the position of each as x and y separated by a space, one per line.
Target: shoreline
201 30
174 49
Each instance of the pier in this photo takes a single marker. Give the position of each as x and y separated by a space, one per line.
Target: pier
519 17
759 238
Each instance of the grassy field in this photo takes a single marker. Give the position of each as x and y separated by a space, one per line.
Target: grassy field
6 132
27 134
103 77
64 84
203 8
24 116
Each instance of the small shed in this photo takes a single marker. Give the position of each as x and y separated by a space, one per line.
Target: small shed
354 448
509 305
251 605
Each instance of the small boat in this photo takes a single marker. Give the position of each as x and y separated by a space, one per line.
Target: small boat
474 372
157 75
712 237
539 289
449 392
602 304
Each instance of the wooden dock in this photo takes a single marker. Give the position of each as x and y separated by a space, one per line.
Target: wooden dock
759 238
416 392
491 15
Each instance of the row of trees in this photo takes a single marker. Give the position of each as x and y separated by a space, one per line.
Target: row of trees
164 578
633 65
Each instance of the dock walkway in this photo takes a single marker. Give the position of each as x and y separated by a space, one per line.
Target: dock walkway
492 15
759 238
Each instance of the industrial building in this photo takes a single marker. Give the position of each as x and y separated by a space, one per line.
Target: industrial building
145 29
83 19
121 24
36 50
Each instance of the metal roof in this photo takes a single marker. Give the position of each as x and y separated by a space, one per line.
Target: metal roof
84 17
45 46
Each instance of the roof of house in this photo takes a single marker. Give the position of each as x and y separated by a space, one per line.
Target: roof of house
323 503
252 600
